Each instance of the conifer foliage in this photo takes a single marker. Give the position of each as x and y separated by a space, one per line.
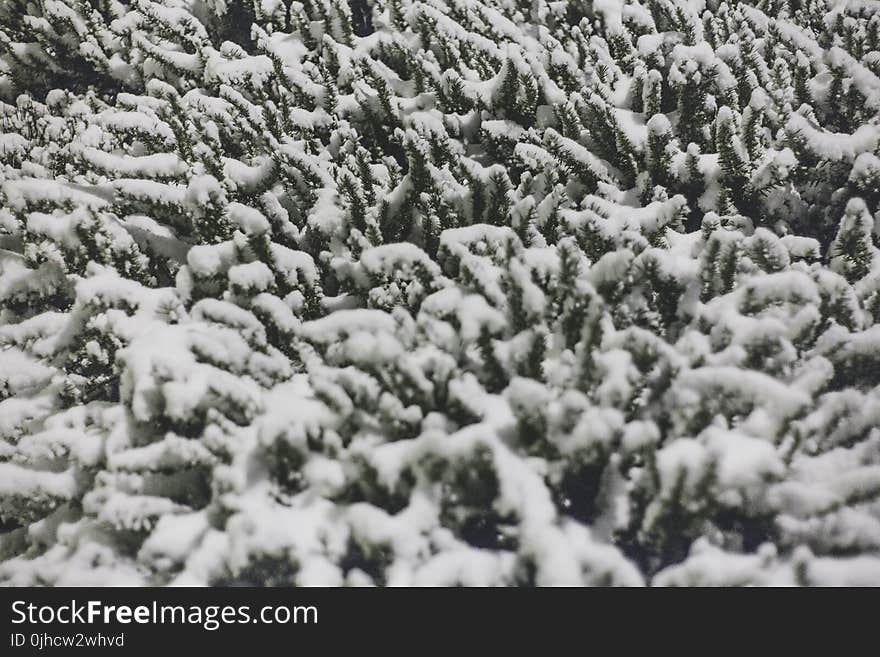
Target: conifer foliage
479 292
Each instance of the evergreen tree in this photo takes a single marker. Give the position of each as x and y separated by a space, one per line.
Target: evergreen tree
483 292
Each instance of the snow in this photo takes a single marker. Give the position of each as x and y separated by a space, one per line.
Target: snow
864 79
24 192
209 260
23 483
420 307
251 221
836 146
742 461
140 122
171 453
708 565
174 538
347 322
